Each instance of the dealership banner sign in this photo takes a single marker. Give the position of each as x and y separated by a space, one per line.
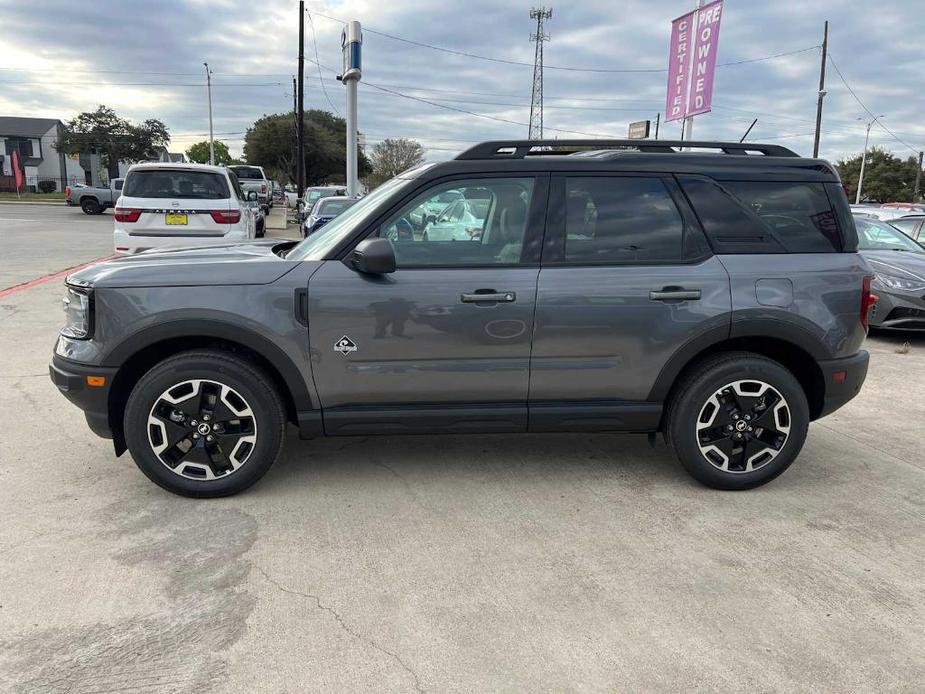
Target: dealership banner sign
692 61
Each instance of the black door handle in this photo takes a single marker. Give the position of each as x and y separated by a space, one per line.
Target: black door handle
675 294
487 296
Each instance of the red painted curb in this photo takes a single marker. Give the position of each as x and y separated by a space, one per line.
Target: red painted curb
48 278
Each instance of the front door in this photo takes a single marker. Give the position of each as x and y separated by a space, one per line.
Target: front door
443 343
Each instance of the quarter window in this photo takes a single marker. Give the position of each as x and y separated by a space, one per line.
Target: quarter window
464 223
621 220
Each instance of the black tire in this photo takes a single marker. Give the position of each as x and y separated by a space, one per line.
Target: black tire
261 231
91 206
689 405
247 381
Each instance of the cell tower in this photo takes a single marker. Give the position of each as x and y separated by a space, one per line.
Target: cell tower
540 14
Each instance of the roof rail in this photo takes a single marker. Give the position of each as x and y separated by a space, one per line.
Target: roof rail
518 149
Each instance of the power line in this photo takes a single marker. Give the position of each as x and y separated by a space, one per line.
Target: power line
324 89
869 112
505 61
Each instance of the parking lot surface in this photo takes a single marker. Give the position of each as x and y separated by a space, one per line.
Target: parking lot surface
440 564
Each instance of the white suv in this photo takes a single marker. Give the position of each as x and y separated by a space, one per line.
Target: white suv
181 205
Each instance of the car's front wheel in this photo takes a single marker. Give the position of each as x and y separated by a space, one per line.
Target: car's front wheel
204 424
737 420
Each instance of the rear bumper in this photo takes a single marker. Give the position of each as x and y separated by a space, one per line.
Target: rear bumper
843 379
70 377
129 244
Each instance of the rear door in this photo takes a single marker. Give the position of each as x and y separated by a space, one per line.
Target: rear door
443 343
627 281
178 202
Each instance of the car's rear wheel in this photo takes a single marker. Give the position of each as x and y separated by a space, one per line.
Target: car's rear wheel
737 420
90 206
204 424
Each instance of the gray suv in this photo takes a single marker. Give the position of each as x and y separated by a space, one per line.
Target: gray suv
714 295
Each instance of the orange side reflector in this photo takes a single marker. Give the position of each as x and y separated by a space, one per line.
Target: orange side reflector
839 376
96 381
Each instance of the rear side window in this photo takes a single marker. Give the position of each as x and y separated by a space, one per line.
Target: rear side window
247 172
621 220
765 216
190 185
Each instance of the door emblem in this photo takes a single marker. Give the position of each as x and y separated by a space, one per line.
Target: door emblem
345 346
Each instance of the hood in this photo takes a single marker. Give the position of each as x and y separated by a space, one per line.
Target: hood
897 262
238 264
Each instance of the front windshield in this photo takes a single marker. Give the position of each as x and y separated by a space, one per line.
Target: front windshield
316 246
880 236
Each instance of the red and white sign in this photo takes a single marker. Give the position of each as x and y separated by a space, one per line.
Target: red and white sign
692 61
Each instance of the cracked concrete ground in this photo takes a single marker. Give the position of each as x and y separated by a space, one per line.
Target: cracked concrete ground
442 564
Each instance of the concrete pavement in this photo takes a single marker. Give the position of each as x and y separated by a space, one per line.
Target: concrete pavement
456 564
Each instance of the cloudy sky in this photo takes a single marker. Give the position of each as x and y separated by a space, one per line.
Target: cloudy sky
144 58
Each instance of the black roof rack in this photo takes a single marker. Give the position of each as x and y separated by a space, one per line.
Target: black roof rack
518 149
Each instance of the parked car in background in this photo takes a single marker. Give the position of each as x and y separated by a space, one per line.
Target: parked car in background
880 212
182 205
260 217
93 199
716 298
912 225
462 220
898 263
253 178
315 193
324 211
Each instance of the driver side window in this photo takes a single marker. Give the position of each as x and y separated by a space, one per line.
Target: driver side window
462 223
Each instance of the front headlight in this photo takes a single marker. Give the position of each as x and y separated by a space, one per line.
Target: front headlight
906 284
78 313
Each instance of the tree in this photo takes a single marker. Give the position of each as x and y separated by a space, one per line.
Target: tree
392 156
270 143
113 138
199 153
887 178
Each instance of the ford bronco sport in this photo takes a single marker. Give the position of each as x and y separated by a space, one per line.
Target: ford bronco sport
714 295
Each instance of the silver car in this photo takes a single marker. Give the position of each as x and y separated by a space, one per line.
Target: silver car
899 275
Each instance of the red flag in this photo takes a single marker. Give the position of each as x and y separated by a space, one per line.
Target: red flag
17 171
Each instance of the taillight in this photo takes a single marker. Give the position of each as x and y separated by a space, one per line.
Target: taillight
67 192
127 214
225 216
868 299
263 188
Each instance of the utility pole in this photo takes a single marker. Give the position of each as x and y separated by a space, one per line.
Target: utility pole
857 197
300 108
209 89
687 125
540 14
918 179
821 95
351 42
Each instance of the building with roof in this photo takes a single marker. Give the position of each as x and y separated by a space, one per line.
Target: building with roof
34 139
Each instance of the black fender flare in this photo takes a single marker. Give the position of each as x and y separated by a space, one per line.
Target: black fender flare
757 328
219 329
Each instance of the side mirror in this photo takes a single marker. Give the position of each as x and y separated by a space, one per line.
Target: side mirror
252 195
372 257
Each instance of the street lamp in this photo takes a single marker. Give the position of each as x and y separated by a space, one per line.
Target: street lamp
857 197
209 88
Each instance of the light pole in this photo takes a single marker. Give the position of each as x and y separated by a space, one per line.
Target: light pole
857 197
211 141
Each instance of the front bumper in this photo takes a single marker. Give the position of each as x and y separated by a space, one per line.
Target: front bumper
71 379
898 310
843 379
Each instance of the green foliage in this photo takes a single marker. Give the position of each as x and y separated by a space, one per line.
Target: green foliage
199 153
113 138
887 178
392 156
270 143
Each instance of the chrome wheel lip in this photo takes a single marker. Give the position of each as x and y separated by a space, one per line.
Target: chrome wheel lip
781 417
233 457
